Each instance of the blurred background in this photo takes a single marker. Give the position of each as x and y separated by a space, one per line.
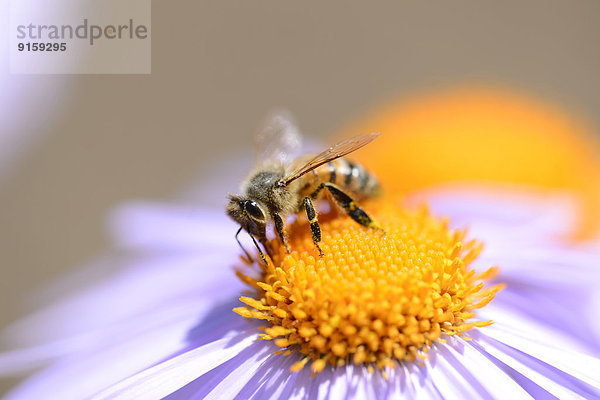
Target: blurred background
73 146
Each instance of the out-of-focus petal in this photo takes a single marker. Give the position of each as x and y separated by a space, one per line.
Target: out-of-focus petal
140 286
169 376
124 341
160 227
30 106
504 214
105 362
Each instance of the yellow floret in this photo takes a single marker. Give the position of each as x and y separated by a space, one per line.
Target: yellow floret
374 297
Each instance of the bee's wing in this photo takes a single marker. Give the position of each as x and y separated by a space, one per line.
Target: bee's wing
336 151
277 139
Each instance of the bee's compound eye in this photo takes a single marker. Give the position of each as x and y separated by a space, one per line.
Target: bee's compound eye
254 210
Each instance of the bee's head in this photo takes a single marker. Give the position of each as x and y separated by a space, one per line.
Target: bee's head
249 214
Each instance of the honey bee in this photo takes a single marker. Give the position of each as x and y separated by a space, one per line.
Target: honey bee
278 186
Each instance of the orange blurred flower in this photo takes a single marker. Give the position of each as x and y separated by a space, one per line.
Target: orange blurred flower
477 134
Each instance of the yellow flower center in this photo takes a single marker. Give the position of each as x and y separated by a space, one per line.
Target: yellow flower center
374 297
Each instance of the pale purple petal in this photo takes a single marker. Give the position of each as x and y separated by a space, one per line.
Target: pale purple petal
322 385
529 215
578 365
532 378
167 323
273 379
160 227
169 376
450 374
232 384
497 384
422 384
339 383
133 347
105 362
143 284
302 385
451 384
29 106
512 319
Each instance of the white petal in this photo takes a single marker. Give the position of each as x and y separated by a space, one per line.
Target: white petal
496 381
233 383
339 383
173 374
548 265
177 319
159 227
275 379
302 385
495 209
103 364
360 386
578 365
539 309
459 372
133 347
321 384
517 365
447 379
513 321
143 285
408 381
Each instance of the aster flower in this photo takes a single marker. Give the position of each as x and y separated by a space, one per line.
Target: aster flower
162 325
492 302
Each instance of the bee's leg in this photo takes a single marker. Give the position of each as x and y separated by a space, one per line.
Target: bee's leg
280 228
266 245
350 206
315 229
260 252
240 243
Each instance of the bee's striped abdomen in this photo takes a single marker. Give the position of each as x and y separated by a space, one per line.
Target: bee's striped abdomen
350 176
332 171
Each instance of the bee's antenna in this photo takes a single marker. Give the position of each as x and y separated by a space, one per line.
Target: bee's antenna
240 243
